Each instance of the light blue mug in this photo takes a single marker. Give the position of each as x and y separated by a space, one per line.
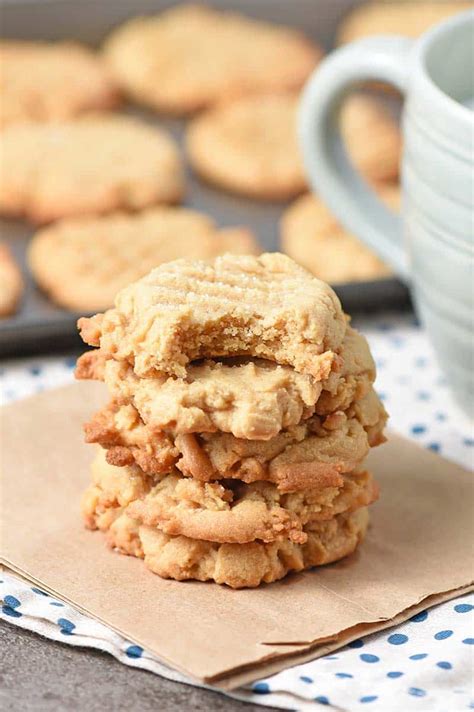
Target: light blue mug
431 245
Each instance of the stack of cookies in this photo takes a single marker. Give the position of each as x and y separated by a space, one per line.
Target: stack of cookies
242 409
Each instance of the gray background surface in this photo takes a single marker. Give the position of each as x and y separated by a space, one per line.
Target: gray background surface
39 675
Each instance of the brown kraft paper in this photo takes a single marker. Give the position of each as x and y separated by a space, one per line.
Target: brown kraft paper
418 552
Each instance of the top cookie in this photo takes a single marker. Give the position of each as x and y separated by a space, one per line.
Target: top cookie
265 306
400 18
190 56
51 82
95 164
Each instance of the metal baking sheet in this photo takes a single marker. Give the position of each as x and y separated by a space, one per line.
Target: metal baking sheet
40 326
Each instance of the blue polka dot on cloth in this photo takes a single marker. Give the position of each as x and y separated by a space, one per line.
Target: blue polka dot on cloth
369 658
10 607
444 665
397 638
422 664
134 651
416 691
261 688
463 607
443 634
419 617
356 644
66 626
322 699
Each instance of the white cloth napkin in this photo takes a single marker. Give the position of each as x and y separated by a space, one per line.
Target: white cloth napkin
424 664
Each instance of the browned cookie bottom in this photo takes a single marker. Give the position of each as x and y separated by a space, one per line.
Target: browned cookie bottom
236 565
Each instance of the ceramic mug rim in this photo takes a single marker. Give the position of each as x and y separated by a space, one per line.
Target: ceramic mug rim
456 110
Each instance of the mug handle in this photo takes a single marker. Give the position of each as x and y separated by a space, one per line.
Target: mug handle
329 169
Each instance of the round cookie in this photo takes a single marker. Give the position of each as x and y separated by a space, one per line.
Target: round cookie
96 164
236 565
11 282
83 262
398 18
311 454
311 235
44 82
372 138
249 565
249 146
266 307
189 56
182 506
251 399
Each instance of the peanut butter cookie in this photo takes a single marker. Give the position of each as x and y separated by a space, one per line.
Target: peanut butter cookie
249 398
11 282
96 164
250 146
236 514
188 57
264 306
312 236
312 453
236 565
83 262
43 82
372 138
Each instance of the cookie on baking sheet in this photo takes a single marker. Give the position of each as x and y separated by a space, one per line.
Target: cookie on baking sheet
189 56
96 164
11 282
43 82
237 565
372 138
83 262
213 511
265 306
311 235
249 146
400 18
